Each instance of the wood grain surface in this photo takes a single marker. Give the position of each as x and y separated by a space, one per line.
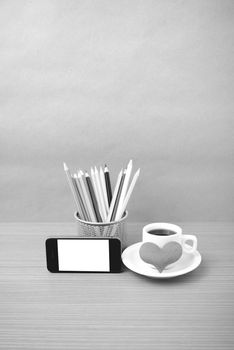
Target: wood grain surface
40 310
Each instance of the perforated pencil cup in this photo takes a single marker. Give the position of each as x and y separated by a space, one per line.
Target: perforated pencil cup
100 229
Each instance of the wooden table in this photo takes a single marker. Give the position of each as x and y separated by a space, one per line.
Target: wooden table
40 310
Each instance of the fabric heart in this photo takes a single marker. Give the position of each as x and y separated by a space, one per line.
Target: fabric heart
160 257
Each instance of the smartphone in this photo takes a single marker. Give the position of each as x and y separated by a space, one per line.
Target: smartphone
83 254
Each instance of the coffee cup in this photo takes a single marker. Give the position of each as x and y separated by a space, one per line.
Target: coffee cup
163 233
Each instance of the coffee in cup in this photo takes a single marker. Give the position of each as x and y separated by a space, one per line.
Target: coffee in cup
161 232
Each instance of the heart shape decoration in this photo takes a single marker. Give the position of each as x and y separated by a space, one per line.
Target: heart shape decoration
152 254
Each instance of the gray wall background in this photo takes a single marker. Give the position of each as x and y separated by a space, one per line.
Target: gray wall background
89 82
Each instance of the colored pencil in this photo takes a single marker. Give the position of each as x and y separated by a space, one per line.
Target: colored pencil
100 192
95 187
125 187
118 196
93 197
104 189
86 196
71 185
128 195
79 195
108 184
114 196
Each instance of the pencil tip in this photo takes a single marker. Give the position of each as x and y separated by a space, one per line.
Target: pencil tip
65 166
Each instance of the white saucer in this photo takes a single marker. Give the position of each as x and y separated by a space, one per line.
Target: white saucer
131 259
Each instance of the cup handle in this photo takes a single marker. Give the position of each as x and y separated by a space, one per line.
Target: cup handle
190 249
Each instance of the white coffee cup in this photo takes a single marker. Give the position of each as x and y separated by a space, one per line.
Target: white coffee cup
162 233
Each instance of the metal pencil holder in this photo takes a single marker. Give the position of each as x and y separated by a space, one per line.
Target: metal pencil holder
100 229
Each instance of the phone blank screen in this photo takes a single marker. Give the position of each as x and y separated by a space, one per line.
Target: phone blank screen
83 255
